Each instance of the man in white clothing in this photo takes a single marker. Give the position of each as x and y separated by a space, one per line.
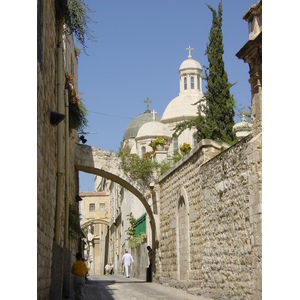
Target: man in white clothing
127 260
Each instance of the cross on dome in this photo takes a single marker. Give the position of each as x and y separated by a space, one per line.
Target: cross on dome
147 101
190 49
153 114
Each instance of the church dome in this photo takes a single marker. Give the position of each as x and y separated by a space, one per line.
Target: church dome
181 108
135 124
242 129
153 129
190 63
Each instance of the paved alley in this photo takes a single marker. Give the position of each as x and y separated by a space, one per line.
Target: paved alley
118 287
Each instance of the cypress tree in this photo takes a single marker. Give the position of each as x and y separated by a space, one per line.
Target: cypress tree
218 103
219 109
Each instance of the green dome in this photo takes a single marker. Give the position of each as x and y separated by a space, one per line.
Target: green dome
135 124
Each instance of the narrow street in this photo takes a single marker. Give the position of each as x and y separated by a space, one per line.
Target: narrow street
117 287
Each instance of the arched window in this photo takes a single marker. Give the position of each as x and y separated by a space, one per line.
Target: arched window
143 151
198 83
185 83
195 139
175 143
192 82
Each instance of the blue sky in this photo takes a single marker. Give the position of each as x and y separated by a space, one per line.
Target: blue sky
137 53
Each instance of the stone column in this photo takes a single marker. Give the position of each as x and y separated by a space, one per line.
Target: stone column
97 253
90 259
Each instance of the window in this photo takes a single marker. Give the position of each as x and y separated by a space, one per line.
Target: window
198 83
185 83
192 82
195 139
175 142
92 229
251 27
143 150
92 207
102 207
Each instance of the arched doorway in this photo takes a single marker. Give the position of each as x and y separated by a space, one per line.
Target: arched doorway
183 236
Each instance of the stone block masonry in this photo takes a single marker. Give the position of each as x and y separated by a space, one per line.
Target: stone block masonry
47 154
222 207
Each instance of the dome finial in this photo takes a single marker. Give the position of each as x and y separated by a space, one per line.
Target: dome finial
147 101
153 115
190 49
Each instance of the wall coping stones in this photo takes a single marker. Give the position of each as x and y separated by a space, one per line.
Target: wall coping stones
205 143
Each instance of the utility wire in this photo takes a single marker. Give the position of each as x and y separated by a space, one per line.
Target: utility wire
98 113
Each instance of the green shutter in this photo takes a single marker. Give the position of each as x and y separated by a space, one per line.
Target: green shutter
140 225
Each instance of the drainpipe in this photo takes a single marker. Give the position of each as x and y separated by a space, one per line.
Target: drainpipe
60 106
67 171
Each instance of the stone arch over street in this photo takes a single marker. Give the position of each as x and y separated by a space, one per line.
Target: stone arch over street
107 164
93 222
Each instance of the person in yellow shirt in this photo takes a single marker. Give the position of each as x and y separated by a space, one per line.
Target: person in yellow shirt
79 270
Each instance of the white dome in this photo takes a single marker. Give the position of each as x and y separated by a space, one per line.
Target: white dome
242 129
153 129
182 108
190 63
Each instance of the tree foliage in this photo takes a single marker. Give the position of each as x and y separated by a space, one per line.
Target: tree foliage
244 112
131 230
77 111
145 168
136 167
75 15
133 240
215 111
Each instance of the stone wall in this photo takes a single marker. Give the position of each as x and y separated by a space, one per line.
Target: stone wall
183 178
218 203
140 258
47 154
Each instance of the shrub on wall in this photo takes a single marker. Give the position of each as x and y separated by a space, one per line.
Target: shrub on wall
135 167
136 241
77 111
75 15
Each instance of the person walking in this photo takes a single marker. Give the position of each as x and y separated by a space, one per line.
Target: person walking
79 270
149 255
127 260
107 269
149 269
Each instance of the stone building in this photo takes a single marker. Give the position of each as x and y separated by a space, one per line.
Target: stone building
94 220
58 231
251 53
